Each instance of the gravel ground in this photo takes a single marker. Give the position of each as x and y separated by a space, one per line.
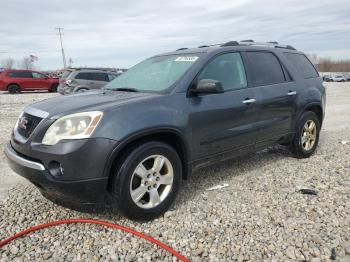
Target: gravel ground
259 216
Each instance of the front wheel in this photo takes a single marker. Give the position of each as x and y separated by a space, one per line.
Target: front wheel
146 181
307 135
53 88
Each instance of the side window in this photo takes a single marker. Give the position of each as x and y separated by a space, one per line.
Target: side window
98 76
228 69
302 64
83 76
12 74
266 69
37 75
20 74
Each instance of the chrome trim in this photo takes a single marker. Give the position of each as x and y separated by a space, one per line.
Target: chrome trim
36 112
12 155
248 101
292 93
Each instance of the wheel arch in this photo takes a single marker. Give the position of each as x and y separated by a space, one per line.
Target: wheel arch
7 87
76 89
170 136
316 108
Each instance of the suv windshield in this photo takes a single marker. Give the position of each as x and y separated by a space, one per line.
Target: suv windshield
155 74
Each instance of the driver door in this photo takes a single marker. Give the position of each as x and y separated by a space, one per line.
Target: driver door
224 122
39 81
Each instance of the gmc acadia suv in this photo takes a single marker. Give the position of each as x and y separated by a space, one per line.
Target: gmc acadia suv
129 145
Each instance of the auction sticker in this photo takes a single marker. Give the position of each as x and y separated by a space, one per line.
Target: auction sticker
186 58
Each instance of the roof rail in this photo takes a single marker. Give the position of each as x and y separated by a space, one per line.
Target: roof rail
231 43
182 48
253 43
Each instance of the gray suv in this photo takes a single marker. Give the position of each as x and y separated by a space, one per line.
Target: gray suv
81 80
129 145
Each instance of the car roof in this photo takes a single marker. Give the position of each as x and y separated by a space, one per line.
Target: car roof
234 46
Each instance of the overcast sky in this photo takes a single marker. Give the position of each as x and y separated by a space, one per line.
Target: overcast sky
116 33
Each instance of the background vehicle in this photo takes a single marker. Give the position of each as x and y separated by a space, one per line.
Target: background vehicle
129 145
80 80
338 78
327 78
15 81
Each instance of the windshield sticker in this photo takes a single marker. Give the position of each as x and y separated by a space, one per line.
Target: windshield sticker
186 58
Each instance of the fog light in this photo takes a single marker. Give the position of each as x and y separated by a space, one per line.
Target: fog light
56 169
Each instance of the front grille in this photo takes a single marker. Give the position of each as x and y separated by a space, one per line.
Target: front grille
26 124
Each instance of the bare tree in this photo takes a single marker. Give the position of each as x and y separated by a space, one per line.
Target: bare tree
313 58
8 63
26 63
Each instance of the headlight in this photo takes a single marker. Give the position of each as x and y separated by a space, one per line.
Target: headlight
75 126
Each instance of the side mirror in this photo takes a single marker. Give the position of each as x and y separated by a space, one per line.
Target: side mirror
208 86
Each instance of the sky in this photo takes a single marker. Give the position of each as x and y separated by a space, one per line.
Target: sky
115 33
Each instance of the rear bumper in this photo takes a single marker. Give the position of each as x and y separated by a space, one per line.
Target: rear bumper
64 89
68 193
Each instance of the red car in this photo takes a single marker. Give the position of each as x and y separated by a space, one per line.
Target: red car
15 81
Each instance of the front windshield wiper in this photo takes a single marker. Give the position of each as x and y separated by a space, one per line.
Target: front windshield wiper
126 89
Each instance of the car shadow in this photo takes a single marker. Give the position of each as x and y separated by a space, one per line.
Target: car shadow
219 172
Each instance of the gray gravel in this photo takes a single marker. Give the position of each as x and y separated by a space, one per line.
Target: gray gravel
261 215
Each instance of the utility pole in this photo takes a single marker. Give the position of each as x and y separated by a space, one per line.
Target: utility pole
60 33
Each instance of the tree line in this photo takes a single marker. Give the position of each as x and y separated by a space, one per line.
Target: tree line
10 63
326 64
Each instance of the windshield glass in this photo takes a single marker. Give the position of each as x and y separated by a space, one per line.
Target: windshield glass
65 74
155 74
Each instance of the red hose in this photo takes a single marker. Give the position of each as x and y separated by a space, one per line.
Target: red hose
97 222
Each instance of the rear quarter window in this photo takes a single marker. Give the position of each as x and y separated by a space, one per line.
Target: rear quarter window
19 74
302 64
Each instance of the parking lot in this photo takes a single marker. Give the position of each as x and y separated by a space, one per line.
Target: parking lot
261 215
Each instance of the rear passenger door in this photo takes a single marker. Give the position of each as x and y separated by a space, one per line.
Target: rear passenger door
276 95
24 79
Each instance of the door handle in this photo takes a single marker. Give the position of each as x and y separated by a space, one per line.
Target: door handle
248 101
292 93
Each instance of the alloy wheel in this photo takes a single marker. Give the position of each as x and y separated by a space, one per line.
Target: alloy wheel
308 137
151 181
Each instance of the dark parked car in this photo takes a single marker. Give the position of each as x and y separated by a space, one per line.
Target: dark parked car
81 80
129 145
16 81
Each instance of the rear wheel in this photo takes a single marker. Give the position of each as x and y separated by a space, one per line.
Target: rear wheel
146 181
307 135
14 89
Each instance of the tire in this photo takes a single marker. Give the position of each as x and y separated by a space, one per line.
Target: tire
299 145
54 88
126 180
14 89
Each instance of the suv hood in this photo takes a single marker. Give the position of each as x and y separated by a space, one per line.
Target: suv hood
87 101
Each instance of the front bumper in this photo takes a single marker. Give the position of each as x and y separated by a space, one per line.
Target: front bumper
71 193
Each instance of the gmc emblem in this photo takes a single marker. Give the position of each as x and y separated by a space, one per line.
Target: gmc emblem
22 122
